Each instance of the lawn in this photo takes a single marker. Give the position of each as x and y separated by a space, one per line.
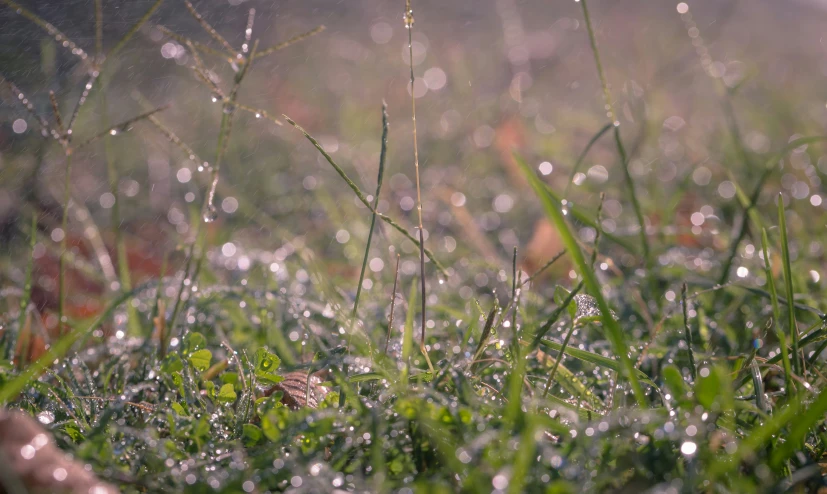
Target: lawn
412 247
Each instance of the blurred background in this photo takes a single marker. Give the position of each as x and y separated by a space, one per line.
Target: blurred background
491 77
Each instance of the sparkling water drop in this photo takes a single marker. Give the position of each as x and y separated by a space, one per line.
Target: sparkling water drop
210 214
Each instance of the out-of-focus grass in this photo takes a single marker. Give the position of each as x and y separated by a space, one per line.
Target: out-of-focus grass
657 358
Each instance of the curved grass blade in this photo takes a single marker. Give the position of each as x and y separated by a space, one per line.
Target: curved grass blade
361 196
610 326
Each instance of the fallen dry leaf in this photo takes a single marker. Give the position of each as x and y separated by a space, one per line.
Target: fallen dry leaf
30 460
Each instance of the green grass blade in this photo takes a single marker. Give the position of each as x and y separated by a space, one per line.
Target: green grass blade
788 285
610 326
586 219
381 175
811 416
776 313
595 359
687 331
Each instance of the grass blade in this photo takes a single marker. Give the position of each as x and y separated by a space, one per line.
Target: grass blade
610 326
776 312
788 285
381 175
584 218
594 358
687 332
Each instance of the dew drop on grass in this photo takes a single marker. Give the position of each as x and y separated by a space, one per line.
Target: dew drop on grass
210 214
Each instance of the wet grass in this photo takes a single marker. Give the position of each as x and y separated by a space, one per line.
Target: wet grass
664 360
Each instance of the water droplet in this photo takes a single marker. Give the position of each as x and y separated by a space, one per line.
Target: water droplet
210 214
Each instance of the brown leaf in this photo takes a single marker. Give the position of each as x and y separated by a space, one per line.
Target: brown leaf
31 460
296 393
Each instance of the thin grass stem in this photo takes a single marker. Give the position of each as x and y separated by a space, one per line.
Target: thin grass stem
208 28
291 41
618 142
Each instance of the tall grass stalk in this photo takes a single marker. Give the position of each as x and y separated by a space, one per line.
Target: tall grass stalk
624 161
409 22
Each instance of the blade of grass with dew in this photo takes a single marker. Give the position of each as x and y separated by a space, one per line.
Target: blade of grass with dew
575 387
379 178
208 28
760 435
776 312
687 333
610 326
616 124
61 38
810 417
515 381
134 29
788 285
595 359
486 332
361 196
